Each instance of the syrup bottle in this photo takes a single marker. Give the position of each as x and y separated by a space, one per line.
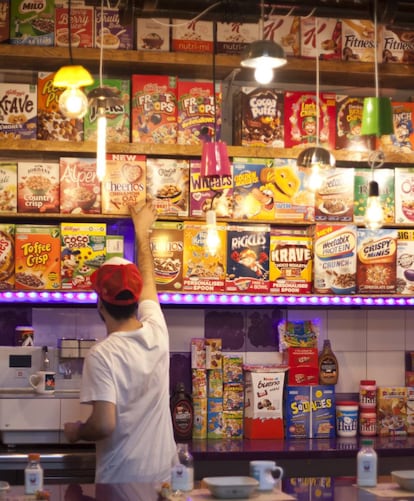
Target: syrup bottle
182 413
328 365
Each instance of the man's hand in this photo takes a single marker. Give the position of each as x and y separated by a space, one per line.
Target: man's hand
143 216
71 431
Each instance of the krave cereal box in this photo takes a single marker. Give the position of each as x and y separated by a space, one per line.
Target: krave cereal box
18 111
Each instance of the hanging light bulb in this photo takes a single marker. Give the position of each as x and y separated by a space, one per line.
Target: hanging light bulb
101 143
73 102
263 74
212 239
374 213
317 159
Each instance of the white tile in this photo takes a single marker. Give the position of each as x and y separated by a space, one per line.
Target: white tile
409 331
352 368
385 330
347 329
183 324
52 323
263 357
387 368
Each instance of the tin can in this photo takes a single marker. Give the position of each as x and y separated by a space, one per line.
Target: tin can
347 419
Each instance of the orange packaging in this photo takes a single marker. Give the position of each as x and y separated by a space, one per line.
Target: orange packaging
7 256
37 257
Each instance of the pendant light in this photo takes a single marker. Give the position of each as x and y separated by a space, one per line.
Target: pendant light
374 213
212 238
263 55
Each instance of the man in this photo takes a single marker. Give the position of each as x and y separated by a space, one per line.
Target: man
125 376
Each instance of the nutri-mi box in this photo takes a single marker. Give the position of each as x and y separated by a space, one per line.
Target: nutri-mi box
153 34
263 402
8 187
310 411
7 232
392 410
115 34
285 31
321 38
192 36
18 116
234 37
32 23
405 262
82 25
37 257
38 187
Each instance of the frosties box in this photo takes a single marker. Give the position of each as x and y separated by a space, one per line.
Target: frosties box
154 109
247 258
300 113
284 30
192 36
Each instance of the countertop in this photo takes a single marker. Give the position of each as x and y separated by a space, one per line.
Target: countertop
6 393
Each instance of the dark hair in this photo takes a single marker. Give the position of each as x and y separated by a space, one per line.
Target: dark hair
121 312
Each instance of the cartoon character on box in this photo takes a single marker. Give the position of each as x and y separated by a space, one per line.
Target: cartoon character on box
69 262
402 133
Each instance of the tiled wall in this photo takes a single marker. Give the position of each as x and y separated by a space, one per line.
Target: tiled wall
369 343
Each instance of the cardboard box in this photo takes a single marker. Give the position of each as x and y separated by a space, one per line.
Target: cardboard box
82 25
192 36
285 31
404 188
31 23
396 45
348 125
8 187
321 37
18 118
358 40
385 180
334 200
38 187
234 37
392 410
4 21
405 262
7 233
402 140
153 34
116 35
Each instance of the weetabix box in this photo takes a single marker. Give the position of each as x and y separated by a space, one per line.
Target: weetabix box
38 187
234 37
404 189
124 183
167 246
258 117
358 40
18 117
334 200
290 261
32 23
348 125
168 185
7 232
37 257
310 411
4 20
247 258
284 30
321 37
392 410
117 115
214 193
83 250
300 119
405 261
51 122
192 36
385 180
82 25
80 189
8 187
203 270
153 34
154 109
115 34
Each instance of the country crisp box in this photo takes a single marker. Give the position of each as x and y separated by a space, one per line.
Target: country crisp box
18 111
38 187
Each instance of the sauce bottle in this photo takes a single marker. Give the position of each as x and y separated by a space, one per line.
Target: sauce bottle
182 413
328 365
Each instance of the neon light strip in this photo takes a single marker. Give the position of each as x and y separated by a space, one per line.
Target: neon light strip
73 297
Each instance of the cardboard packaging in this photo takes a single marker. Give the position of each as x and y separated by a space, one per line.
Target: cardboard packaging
404 188
18 119
334 201
285 31
397 45
348 125
4 20
7 233
8 187
31 24
116 35
321 37
82 25
402 141
153 34
405 262
358 42
234 37
192 36
38 187
392 410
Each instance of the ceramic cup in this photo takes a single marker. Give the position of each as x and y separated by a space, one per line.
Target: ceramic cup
267 473
43 382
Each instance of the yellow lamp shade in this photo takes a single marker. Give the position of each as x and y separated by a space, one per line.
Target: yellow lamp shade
72 76
377 117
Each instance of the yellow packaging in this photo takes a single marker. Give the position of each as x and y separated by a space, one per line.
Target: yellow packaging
200 418
392 410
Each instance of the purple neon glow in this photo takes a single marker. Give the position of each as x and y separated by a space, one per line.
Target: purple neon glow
71 297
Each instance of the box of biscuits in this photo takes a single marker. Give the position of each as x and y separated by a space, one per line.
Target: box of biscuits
8 187
18 117
7 232
38 187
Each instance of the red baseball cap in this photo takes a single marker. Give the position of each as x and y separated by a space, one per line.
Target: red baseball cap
115 276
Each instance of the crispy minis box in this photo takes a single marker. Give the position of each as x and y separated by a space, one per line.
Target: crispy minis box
38 187
18 111
8 187
7 232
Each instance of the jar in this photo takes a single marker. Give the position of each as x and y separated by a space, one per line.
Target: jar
346 419
368 393
367 423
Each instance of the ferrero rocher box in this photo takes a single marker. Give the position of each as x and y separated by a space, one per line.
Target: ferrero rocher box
37 257
8 187
38 187
7 232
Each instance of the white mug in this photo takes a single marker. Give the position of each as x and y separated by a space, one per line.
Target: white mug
263 472
43 382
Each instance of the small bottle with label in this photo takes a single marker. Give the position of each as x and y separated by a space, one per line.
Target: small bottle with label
182 475
182 413
33 475
367 461
328 365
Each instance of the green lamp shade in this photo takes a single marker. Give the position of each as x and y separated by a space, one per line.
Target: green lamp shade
377 117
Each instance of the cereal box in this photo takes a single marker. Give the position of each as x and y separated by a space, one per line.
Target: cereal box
83 250
321 37
392 410
402 141
198 114
258 117
232 368
80 189
284 30
18 111
234 37
405 262
306 488
203 270
358 40
154 109
37 257
51 122
117 115
7 232
82 25
124 183
32 23
385 180
233 424
248 258
153 34
115 246
4 21
168 185
214 354
198 353
167 244
397 45
210 193
377 261
200 418
8 187
233 396
192 36
335 259
38 187
404 189
334 200
215 384
290 261
300 119
310 411
115 34
348 125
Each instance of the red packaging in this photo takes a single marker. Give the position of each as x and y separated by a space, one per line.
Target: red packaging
303 376
81 26
192 36
302 357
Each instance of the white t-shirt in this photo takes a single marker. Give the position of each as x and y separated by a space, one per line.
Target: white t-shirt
131 370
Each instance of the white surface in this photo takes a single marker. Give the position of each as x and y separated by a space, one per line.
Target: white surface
404 478
29 413
231 487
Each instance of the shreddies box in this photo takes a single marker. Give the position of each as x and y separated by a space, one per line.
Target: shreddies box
284 30
81 25
153 34
192 36
154 109
83 250
37 257
32 23
18 111
405 261
7 232
38 187
385 180
8 187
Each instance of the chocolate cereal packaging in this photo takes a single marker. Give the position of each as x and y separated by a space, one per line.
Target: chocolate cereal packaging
32 23
18 111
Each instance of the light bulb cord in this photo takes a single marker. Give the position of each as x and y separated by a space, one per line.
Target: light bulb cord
101 48
317 81
376 50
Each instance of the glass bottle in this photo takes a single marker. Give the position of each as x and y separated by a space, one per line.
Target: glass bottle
182 413
33 474
182 474
367 461
328 364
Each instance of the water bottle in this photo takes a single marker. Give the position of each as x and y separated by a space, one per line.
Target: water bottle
182 475
367 460
33 475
